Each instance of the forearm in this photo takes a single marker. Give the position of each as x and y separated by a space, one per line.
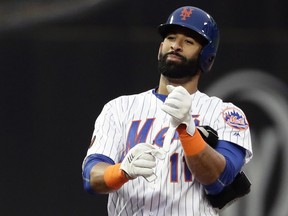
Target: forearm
106 178
204 162
97 182
207 165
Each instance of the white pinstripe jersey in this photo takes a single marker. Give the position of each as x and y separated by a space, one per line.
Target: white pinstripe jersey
128 120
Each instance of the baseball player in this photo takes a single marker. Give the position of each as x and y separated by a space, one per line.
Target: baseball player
172 150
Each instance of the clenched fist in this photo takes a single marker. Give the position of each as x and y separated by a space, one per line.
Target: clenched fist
178 105
140 161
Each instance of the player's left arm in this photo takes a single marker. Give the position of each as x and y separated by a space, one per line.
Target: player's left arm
234 158
232 183
206 163
203 161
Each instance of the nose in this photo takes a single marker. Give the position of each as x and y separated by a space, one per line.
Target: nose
176 46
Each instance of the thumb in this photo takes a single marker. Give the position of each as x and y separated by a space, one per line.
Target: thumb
170 88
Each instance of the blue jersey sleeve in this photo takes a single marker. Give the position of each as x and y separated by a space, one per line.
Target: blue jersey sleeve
234 156
89 163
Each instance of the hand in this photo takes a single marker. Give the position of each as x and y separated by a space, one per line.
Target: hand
140 161
178 106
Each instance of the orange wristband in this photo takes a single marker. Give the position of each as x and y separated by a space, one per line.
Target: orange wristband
114 177
192 145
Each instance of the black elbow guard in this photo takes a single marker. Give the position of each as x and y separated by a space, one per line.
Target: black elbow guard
209 135
238 188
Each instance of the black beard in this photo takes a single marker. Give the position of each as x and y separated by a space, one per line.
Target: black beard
187 68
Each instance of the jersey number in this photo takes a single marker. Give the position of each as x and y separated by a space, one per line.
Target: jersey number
174 160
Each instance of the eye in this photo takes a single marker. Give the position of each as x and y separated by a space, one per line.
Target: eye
170 37
189 41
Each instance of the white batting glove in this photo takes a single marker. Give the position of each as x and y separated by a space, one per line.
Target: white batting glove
178 106
140 161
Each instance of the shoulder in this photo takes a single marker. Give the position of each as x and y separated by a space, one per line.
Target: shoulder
234 116
228 114
132 97
128 100
203 99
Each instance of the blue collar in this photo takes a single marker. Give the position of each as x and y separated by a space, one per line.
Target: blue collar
159 96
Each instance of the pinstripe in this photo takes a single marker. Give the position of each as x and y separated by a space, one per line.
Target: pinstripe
181 189
214 112
136 197
151 202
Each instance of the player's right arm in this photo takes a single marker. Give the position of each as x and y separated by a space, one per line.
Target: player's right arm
102 175
97 181
101 156
93 169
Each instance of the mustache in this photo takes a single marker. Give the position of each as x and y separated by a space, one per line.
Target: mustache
174 53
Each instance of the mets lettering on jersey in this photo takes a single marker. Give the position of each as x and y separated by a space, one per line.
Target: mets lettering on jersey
128 120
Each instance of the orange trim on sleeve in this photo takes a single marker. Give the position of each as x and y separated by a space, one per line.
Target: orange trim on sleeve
114 177
192 145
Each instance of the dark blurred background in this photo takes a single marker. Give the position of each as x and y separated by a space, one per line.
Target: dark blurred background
61 61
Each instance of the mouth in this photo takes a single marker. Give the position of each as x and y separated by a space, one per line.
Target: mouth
174 57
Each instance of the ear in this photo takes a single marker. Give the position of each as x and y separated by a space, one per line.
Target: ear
160 50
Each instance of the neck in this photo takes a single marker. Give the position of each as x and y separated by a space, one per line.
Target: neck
189 83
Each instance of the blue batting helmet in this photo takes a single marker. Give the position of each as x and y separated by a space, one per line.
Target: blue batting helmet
200 22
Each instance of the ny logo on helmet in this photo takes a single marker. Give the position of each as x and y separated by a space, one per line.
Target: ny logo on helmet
186 13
